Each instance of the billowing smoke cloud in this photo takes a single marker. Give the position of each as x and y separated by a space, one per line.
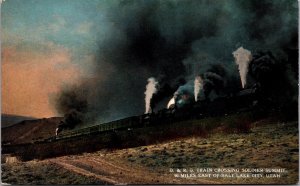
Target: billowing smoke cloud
268 74
151 89
184 95
242 59
211 81
274 80
198 85
211 84
175 41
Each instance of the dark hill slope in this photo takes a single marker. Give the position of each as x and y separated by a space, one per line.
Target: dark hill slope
9 119
29 130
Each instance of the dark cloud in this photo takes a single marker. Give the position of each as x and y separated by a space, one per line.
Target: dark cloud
174 41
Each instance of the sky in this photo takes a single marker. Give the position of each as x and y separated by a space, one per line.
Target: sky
45 44
95 56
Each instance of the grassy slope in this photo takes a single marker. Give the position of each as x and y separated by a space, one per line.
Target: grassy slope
37 173
266 146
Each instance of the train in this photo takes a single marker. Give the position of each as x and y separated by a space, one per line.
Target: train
223 105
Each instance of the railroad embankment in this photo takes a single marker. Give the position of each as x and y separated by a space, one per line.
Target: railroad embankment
267 144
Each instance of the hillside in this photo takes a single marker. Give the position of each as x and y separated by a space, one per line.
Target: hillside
29 130
9 120
268 144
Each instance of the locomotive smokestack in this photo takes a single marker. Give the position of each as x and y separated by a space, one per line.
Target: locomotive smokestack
151 89
242 59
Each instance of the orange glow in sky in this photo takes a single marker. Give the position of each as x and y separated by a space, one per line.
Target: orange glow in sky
30 78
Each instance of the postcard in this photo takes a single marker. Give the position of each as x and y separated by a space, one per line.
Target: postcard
98 92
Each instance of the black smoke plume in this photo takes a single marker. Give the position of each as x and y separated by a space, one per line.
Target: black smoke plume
272 78
173 41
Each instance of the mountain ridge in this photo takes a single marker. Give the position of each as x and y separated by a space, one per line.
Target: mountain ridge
8 120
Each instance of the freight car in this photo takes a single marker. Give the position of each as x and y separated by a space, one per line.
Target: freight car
243 100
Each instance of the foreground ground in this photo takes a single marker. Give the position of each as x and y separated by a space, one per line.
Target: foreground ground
267 145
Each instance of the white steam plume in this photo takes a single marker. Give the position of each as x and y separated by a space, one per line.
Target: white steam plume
242 59
198 85
151 89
